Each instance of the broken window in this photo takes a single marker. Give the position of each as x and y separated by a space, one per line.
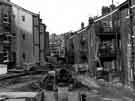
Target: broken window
83 97
23 18
23 36
24 56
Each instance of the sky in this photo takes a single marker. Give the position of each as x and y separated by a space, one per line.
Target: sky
62 16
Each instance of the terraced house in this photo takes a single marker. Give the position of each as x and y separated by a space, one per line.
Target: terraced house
108 43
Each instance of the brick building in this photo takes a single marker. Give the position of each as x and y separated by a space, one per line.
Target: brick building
107 42
24 39
77 46
5 31
57 45
30 36
112 31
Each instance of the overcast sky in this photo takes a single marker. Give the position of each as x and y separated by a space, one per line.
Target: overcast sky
62 16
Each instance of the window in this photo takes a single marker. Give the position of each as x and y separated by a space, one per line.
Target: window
83 97
23 18
23 56
14 57
5 18
23 36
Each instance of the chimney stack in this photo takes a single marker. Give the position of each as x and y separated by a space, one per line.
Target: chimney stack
91 20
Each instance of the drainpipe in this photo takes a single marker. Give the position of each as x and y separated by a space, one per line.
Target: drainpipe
39 40
90 68
131 43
